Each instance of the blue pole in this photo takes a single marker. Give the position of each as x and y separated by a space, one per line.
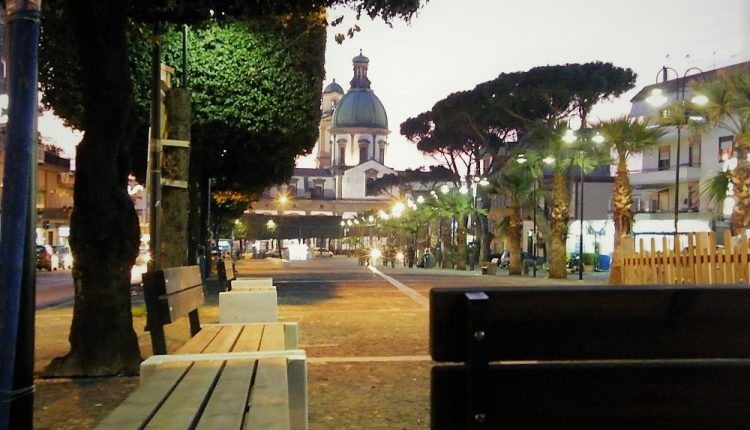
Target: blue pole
18 214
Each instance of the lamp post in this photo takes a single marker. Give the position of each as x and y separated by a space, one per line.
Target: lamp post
570 137
282 201
658 99
521 159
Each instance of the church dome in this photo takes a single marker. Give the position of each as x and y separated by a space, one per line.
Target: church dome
360 108
333 87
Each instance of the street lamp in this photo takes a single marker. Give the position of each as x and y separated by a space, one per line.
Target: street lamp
521 159
656 99
282 201
570 137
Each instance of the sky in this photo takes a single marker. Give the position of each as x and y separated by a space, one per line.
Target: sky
453 45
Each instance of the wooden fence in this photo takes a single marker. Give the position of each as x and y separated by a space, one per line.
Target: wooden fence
700 262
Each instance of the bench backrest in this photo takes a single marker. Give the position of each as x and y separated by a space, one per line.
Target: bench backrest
591 357
171 294
588 323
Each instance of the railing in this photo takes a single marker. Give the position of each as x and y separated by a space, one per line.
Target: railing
700 262
661 169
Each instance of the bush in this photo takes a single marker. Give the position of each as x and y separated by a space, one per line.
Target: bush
590 258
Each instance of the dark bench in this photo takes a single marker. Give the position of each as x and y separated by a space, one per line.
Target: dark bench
224 376
226 273
591 357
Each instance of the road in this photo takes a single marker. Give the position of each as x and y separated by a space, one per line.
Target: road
53 288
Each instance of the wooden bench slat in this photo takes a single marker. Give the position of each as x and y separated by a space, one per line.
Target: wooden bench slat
597 322
225 340
200 341
139 406
180 409
249 339
226 408
691 396
273 337
269 398
177 278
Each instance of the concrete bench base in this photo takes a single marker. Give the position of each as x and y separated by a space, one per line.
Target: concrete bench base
248 306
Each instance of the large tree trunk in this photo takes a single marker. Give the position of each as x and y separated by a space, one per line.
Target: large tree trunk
104 226
623 217
740 177
448 250
461 244
558 228
515 230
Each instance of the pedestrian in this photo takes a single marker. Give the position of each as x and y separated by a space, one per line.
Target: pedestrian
410 256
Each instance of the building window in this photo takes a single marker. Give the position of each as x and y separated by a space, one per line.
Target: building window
292 190
342 155
664 158
363 144
694 154
369 190
663 197
382 155
317 192
726 147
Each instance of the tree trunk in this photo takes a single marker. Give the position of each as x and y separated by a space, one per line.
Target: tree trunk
622 216
174 166
104 226
461 247
740 177
558 228
515 230
448 250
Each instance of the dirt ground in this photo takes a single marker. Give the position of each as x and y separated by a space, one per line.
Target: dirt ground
341 329
366 343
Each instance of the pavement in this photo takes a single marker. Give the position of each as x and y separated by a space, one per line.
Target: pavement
365 335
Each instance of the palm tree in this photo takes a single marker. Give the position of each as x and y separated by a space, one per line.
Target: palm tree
624 137
517 182
455 205
716 191
549 137
728 108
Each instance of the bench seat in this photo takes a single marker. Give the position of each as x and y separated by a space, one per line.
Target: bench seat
227 376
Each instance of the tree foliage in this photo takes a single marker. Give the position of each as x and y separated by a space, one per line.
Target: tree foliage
93 57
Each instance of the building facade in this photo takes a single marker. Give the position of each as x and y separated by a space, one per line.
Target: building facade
702 154
349 154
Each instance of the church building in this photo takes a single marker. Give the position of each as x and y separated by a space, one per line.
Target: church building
350 152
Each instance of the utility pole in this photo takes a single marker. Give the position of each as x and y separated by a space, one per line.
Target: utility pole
18 219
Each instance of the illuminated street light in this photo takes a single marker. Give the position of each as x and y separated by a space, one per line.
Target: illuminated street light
570 137
657 99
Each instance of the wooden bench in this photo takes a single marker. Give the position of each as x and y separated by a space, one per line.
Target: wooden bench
226 376
591 357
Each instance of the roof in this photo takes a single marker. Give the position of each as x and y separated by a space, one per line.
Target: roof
672 86
360 108
310 171
333 87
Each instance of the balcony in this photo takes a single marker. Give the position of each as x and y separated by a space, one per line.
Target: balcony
689 172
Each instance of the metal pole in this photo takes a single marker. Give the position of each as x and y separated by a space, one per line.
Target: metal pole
580 267
533 234
185 71
18 219
155 153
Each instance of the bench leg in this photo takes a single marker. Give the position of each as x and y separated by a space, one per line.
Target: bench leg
195 322
158 344
297 373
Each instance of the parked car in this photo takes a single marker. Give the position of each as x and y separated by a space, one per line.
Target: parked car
322 252
43 258
62 258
